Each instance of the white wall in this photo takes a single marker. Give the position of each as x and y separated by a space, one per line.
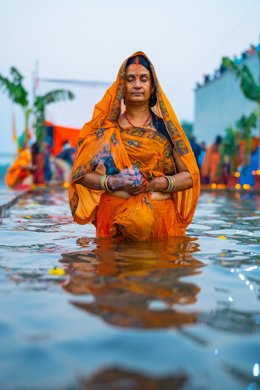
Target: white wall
220 103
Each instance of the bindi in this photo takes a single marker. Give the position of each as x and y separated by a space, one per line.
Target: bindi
137 62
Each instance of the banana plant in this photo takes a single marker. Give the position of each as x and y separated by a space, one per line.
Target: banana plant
16 91
244 126
39 110
229 150
14 88
249 85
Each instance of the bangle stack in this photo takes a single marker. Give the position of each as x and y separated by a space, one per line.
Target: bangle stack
171 184
104 183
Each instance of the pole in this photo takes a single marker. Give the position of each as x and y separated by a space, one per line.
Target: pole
258 106
35 82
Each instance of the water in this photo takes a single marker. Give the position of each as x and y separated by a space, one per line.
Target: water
6 160
6 194
182 314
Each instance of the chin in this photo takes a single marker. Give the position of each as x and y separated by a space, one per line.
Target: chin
138 99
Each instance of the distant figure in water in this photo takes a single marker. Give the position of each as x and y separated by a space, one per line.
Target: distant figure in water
135 175
19 174
210 165
195 147
64 160
203 150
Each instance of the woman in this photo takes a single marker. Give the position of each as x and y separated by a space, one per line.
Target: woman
210 171
135 174
19 173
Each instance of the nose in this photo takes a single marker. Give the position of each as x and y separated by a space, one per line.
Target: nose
137 83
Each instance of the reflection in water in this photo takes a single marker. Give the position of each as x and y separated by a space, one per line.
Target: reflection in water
120 379
233 320
131 285
136 284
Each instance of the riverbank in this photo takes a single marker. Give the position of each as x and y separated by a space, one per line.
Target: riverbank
8 198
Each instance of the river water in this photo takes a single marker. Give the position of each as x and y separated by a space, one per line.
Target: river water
182 314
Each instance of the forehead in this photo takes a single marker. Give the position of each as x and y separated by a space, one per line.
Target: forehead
137 69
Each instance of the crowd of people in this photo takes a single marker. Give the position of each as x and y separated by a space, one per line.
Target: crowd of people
238 60
37 165
41 167
215 163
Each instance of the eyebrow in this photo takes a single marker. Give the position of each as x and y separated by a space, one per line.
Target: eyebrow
133 74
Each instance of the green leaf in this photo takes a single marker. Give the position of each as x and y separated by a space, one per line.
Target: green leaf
57 96
14 88
248 84
40 104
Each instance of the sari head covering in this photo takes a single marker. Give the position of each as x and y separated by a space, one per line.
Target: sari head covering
101 137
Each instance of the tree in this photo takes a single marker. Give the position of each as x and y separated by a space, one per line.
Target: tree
15 88
188 128
17 93
249 86
39 109
229 151
244 126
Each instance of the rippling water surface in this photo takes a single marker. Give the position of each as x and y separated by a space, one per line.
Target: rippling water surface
182 314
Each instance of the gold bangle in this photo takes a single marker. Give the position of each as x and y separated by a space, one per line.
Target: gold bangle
171 184
102 183
106 183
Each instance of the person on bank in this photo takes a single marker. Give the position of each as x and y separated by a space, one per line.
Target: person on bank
19 174
210 168
64 160
135 175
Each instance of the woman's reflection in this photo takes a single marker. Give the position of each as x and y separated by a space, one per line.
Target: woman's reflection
136 284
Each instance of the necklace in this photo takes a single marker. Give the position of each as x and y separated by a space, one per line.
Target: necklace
133 124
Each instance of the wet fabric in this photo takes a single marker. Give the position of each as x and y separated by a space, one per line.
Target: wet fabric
158 222
105 148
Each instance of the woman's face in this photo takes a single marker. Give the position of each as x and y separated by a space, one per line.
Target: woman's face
138 84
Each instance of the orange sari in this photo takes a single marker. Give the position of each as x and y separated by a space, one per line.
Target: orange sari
139 217
210 164
16 174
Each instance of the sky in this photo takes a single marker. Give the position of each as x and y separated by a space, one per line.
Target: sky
88 40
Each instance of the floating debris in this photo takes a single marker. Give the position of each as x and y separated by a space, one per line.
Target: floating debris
56 271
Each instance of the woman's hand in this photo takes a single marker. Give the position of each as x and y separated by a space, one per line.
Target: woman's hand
130 183
121 182
158 184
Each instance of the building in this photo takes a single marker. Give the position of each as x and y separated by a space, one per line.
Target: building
219 103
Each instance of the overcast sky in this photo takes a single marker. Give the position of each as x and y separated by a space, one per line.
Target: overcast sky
88 40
